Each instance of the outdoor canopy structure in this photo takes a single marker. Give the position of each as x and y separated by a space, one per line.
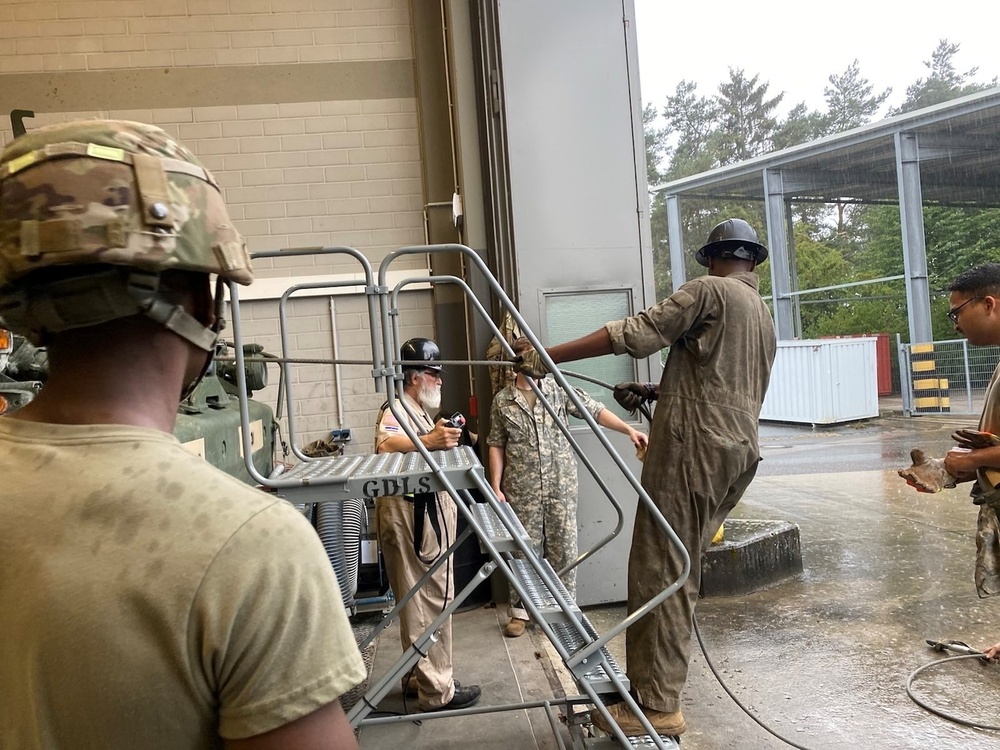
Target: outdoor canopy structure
948 154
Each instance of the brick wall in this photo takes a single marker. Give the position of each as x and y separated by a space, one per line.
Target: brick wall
331 158
92 35
317 403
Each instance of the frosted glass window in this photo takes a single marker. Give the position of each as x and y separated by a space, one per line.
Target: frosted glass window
569 315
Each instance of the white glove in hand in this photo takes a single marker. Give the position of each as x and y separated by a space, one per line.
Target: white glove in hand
926 474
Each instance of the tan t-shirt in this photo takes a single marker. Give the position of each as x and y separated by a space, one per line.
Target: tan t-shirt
147 600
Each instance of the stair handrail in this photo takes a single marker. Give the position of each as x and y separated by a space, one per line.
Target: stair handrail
589 650
371 293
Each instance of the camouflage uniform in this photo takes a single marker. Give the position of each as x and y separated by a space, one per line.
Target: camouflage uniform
703 454
987 574
539 478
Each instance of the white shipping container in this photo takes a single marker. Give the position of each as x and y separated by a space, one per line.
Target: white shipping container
823 381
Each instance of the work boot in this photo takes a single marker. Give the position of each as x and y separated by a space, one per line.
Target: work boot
515 628
463 698
667 724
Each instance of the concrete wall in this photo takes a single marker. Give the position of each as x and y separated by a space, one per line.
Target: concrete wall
306 112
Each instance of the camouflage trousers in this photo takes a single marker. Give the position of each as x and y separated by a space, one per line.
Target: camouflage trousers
988 552
551 526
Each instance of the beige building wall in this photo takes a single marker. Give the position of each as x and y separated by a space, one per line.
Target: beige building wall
305 111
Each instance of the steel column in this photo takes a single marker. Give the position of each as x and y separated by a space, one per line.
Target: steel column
793 271
911 221
675 240
777 245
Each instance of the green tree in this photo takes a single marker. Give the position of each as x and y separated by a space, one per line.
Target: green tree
657 152
657 147
690 120
746 118
800 126
944 82
837 244
850 102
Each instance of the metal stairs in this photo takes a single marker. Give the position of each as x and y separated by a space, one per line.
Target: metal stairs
501 535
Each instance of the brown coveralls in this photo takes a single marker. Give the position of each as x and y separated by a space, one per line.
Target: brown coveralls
703 454
432 675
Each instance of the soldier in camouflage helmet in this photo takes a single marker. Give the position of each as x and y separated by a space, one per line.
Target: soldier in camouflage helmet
92 213
177 579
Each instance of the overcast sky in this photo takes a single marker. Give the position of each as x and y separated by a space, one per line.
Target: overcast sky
796 46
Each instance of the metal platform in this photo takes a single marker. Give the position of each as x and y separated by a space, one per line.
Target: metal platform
500 532
345 477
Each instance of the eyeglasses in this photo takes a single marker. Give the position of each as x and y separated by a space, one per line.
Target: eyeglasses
434 374
953 314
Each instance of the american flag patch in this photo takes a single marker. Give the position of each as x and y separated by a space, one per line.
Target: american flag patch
389 423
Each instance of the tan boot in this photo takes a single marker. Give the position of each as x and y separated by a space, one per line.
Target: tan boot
515 628
667 724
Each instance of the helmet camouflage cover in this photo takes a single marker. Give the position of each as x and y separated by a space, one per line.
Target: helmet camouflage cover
112 192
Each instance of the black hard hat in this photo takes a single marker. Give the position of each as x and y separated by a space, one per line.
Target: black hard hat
732 238
422 351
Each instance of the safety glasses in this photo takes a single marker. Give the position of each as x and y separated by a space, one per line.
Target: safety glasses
953 314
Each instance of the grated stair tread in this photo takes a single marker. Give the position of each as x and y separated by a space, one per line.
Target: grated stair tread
573 641
539 593
607 742
497 529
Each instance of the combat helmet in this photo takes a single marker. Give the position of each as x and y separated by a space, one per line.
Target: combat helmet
732 238
421 354
92 212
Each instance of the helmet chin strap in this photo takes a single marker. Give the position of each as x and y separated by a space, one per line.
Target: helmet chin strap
143 287
218 323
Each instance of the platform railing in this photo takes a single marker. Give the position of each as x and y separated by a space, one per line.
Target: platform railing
315 480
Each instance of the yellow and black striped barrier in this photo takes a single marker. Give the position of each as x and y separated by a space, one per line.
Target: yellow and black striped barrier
930 392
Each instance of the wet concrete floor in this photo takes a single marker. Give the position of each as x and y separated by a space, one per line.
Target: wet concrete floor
822 659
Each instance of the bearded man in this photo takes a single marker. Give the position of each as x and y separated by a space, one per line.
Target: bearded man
414 530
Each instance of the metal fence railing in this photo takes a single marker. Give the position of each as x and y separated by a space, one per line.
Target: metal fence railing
945 376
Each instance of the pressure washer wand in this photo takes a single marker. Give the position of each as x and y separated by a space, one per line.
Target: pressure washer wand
957 647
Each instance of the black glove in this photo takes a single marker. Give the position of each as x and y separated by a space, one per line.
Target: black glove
633 395
974 439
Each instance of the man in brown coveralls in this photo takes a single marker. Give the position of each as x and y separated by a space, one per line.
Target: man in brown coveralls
415 529
703 450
